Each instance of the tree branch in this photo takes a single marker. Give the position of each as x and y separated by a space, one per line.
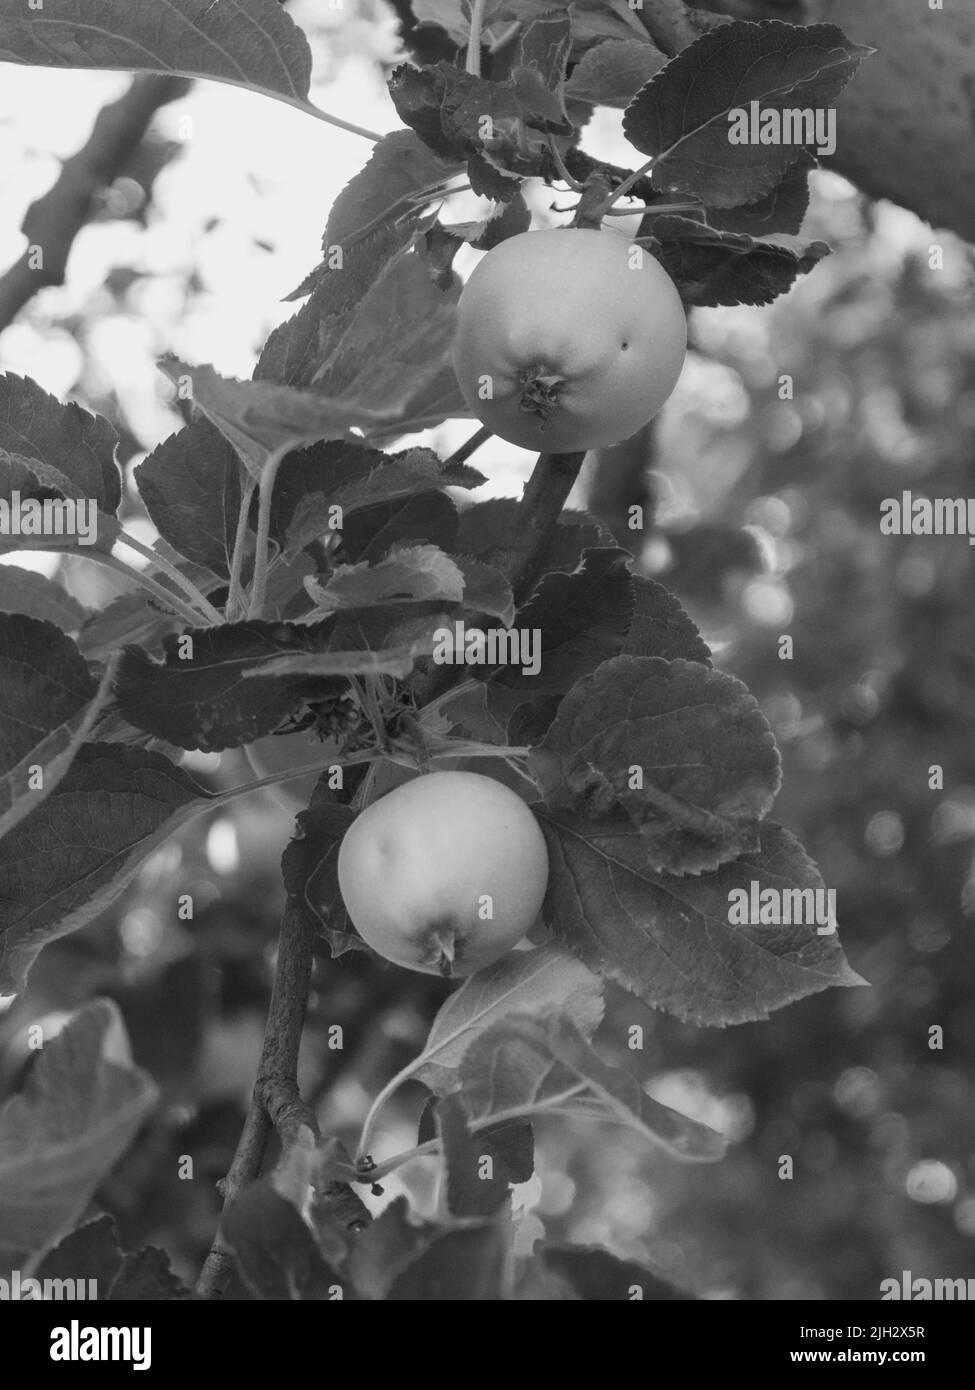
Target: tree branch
56 218
275 1102
541 505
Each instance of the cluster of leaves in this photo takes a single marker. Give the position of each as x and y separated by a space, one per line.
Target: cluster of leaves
262 614
490 1065
737 240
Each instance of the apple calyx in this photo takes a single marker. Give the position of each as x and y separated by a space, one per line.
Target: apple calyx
540 390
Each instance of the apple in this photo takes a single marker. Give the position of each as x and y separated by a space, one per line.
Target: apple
444 874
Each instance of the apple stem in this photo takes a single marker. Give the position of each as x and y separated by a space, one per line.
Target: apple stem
463 453
538 514
389 1165
370 1121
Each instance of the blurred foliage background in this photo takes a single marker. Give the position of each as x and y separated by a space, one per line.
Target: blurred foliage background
765 522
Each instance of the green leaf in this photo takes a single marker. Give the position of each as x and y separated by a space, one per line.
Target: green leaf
385 1248
248 43
370 532
685 752
72 857
538 71
612 72
581 620
486 527
469 1193
349 475
525 1066
276 1253
127 619
458 1267
79 1111
383 640
400 168
408 572
261 419
191 487
669 940
681 116
36 596
511 1143
782 210
240 681
309 868
660 627
92 1253
544 980
723 268
49 705
36 426
376 329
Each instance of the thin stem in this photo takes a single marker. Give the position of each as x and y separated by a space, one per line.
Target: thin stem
454 693
365 755
365 695
505 36
471 446
474 41
559 163
455 748
642 208
447 193
235 601
165 596
407 205
389 1165
362 1152
171 572
269 475
338 122
433 1146
627 183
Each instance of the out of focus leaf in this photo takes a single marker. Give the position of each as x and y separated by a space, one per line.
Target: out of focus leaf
277 1255
543 981
72 857
79 1111
525 1066
598 1274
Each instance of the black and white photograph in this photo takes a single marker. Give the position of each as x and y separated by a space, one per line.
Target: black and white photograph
487 669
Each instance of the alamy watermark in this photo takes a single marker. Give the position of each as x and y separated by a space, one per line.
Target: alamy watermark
756 906
49 516
77 1343
813 127
908 515
495 646
17 1289
926 1290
